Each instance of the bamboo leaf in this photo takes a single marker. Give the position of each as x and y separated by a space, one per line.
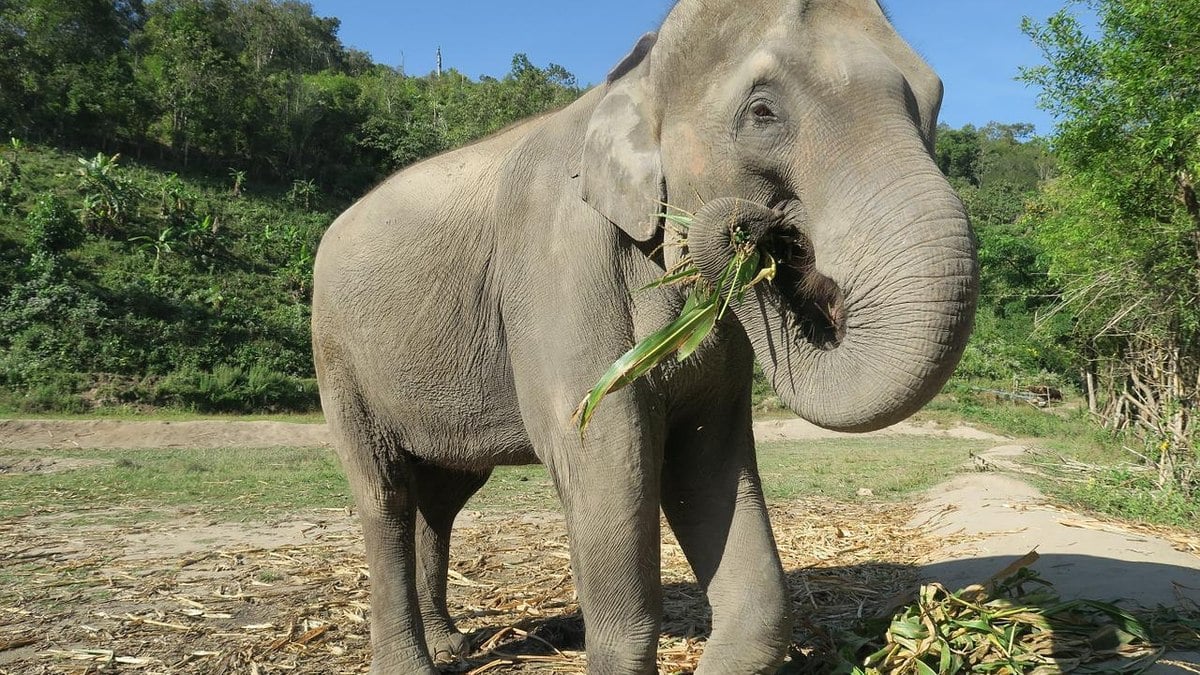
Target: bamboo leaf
704 307
641 359
702 330
768 271
685 221
685 274
924 669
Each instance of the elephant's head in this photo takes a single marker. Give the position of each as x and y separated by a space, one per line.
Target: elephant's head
812 122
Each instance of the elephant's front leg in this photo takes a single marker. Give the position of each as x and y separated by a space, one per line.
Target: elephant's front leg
609 485
611 505
713 501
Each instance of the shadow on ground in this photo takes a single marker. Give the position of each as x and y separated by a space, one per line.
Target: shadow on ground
687 616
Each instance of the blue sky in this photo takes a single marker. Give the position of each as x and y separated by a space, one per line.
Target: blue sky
975 45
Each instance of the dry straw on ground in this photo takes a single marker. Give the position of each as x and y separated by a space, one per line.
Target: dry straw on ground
79 598
81 595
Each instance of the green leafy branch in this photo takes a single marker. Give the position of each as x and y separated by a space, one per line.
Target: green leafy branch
705 306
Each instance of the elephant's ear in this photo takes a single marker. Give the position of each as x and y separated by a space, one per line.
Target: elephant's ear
621 172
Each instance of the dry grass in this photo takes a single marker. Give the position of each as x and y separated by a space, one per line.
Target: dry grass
83 599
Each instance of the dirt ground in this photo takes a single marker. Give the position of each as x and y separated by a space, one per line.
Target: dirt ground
184 594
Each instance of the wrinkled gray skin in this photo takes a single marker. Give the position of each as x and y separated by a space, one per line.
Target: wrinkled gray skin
463 308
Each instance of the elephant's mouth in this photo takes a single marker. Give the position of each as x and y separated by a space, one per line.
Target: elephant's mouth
814 304
817 303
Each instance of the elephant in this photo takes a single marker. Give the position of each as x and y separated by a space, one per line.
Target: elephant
463 307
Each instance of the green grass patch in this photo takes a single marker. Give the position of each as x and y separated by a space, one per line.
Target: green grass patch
1018 419
227 484
521 488
262 484
890 467
1129 495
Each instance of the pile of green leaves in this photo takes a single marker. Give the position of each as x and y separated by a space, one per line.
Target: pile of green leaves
1018 626
706 304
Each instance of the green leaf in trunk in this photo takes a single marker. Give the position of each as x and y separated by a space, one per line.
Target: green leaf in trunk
704 307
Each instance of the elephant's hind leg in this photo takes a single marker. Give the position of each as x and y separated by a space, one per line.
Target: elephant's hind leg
441 494
381 478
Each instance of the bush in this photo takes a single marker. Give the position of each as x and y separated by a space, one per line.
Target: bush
54 394
230 389
48 325
53 227
1010 346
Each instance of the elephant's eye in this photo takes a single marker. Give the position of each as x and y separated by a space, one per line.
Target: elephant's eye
762 111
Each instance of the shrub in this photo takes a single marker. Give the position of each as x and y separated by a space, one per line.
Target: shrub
229 389
57 393
109 197
52 226
48 325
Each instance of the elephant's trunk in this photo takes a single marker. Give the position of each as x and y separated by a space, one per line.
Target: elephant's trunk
870 311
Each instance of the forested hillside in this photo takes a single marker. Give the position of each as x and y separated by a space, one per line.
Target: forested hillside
171 168
174 163
259 86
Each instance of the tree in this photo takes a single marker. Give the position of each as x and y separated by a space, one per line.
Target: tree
197 80
286 37
959 152
67 68
997 169
1121 226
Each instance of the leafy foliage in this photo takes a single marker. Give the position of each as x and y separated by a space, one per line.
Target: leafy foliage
263 85
181 306
53 227
130 285
1121 227
997 169
706 304
1018 625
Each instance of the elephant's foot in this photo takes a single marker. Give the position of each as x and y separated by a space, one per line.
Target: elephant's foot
447 645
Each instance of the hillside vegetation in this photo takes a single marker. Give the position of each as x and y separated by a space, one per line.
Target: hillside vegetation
172 167
127 285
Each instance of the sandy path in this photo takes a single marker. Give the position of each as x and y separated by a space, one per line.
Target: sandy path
1005 518
61 434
